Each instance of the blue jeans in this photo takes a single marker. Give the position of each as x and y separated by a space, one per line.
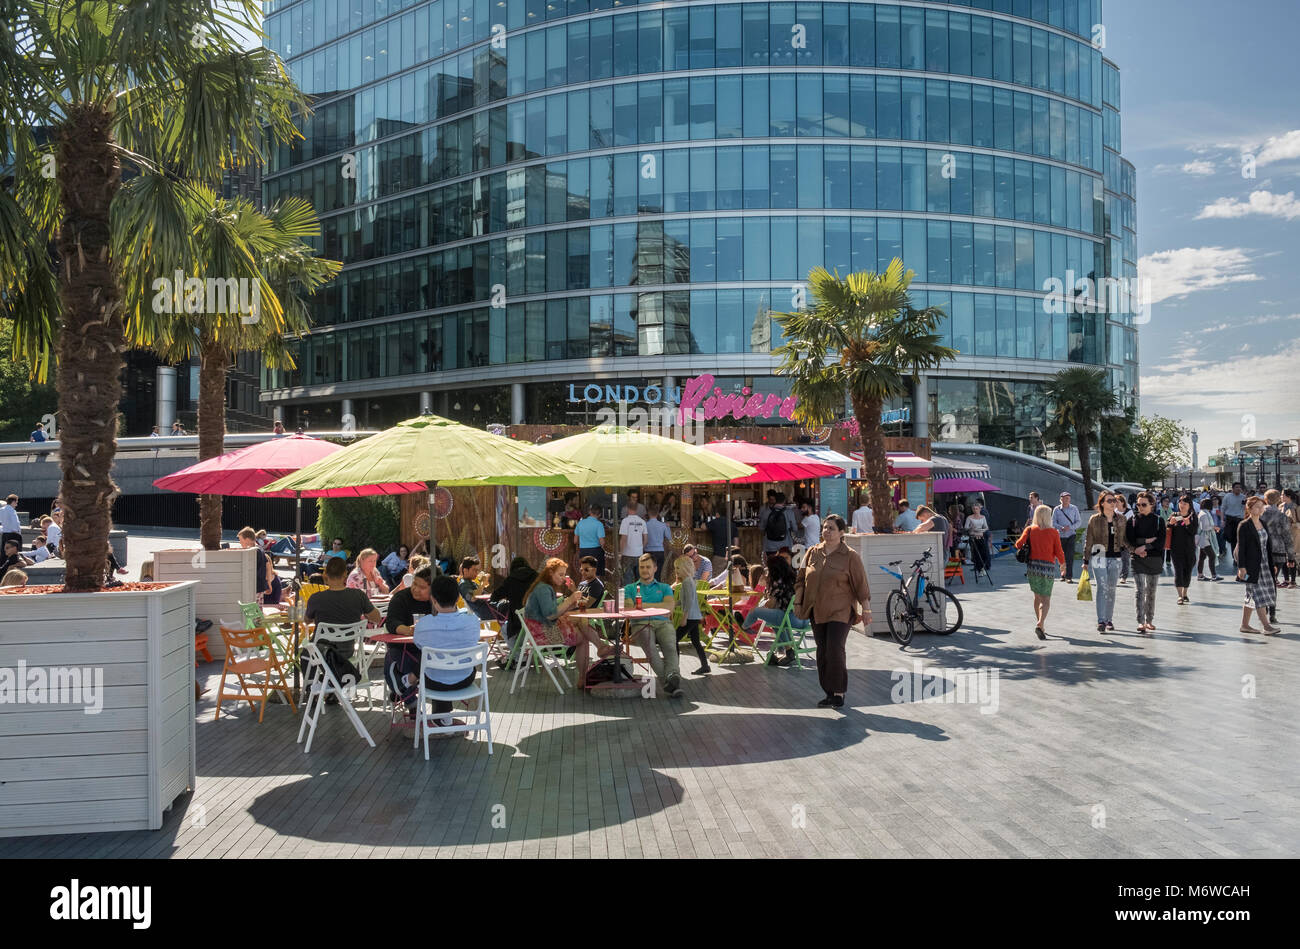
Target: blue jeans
773 618
1104 572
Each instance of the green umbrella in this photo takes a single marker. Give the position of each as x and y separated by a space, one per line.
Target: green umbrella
615 455
422 453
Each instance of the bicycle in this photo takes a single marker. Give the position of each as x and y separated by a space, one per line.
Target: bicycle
940 613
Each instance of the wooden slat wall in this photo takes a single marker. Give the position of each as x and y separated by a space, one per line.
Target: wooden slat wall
226 579
60 767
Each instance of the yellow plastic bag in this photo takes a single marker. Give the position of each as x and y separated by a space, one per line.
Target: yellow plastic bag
1085 586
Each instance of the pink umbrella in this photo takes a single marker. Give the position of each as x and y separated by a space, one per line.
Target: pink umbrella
241 472
770 464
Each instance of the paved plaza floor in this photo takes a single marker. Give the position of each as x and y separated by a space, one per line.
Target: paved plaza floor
1182 744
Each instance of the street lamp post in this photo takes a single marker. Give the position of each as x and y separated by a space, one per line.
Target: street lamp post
1277 464
1263 451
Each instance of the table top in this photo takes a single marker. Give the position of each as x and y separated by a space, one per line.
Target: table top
647 612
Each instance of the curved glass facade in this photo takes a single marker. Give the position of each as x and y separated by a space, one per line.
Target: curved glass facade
516 182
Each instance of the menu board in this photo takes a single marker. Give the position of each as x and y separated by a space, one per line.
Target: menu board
916 494
532 506
834 494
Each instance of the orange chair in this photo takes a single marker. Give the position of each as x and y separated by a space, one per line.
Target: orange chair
953 569
254 640
201 647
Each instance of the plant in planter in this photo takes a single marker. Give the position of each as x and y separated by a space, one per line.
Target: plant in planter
862 339
166 87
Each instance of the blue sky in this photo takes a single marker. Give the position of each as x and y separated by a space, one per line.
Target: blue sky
1204 83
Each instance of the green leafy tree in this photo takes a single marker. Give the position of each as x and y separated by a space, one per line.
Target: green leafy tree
23 400
1163 443
361 522
167 87
1081 399
862 339
232 238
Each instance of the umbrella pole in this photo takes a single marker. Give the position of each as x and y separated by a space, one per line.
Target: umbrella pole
618 560
433 527
297 584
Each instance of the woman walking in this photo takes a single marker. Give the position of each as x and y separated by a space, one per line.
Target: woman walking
1252 556
977 529
1126 558
1183 528
684 591
1044 550
1279 538
1105 540
828 591
1291 511
1207 538
1146 535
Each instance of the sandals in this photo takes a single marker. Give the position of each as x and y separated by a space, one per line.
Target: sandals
1038 631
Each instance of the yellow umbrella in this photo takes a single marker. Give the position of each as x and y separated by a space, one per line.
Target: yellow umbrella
615 455
422 453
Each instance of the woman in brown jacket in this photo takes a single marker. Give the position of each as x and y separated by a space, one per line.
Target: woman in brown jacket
828 591
1105 542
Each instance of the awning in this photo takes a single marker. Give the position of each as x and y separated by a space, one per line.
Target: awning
962 485
828 455
943 464
902 464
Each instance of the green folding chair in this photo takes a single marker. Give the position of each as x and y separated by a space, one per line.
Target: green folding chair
784 635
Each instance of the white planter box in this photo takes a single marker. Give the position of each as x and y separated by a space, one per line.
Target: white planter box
877 550
64 771
226 579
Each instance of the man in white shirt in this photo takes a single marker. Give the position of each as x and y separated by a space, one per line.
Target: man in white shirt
864 522
10 526
1067 519
811 524
54 530
632 533
446 628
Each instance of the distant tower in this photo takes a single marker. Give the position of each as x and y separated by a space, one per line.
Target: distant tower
1194 464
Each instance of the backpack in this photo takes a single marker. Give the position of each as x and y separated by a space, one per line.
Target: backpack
776 527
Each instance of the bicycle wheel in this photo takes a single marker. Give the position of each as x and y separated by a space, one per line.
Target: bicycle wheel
899 613
941 613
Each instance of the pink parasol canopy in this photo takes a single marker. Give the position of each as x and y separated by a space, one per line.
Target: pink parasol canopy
772 464
241 472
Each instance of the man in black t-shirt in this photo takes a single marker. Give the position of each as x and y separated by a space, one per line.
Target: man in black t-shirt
409 604
340 604
590 586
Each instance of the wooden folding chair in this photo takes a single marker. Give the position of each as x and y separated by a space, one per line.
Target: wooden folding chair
240 643
953 569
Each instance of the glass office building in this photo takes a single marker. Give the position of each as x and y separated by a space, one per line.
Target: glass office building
528 194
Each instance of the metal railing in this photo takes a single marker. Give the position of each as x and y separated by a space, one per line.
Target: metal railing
178 442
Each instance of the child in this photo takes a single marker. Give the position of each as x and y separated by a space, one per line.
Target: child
684 571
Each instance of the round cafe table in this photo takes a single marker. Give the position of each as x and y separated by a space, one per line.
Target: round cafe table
627 616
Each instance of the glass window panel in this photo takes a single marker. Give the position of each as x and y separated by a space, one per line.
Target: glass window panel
959 50
728 46
1006 257
758 265
677 110
889 242
811 243
835 34
702 107
863 239
982 175
939 252
984 256
730 249
704 327
756 176
810 176
809 16
913 110
940 166
1024 259
985 325
913 38
1006 331
755 35
915 255
836 177
730 179
808 119
936 41
784 176
862 34
785 237
781 105
981 31
729 114
702 179
888 105
888 38
914 177
963 253
889 179
863 177
982 128
936 111
862 106
781 21
963 322
839 255
959 110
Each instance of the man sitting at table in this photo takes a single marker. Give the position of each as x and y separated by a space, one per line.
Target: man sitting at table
340 605
402 660
658 631
469 591
446 628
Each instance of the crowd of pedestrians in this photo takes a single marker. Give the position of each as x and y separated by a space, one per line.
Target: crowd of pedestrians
1149 534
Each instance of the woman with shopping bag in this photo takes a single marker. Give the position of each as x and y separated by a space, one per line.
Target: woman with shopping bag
1106 542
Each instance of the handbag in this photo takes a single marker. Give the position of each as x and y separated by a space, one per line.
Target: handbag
1022 554
1085 586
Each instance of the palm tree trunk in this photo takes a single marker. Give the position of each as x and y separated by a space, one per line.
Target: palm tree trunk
875 468
213 360
90 345
1085 463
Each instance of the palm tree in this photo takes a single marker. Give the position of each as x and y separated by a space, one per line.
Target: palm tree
167 87
862 338
232 238
1081 399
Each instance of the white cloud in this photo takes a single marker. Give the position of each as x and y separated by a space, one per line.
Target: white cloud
1212 394
1265 203
1199 168
1248 321
1175 273
1279 148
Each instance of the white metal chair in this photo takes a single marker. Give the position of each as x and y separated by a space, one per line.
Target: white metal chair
459 662
530 651
322 681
